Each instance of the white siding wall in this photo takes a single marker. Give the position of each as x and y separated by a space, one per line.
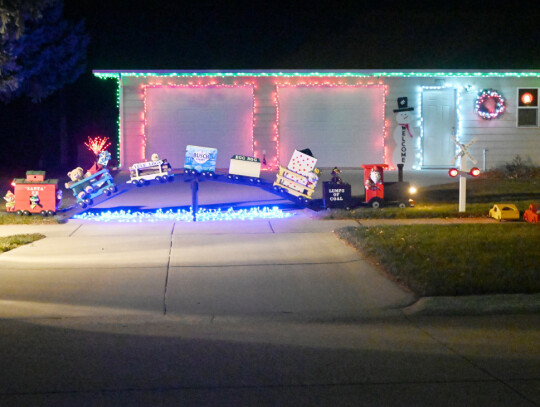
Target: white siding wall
500 137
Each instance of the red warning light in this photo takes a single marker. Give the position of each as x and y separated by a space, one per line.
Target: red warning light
453 172
475 172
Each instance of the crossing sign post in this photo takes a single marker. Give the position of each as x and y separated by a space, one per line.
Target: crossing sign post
463 155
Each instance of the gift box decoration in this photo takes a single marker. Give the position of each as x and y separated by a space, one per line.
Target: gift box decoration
293 176
302 163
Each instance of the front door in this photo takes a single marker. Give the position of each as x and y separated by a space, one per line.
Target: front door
439 118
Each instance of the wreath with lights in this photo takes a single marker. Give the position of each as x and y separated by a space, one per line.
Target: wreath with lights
483 97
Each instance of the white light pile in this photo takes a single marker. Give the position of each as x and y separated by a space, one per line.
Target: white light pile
203 215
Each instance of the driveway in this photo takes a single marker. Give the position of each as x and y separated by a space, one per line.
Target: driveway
293 267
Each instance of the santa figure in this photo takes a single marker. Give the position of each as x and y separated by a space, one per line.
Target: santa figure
374 182
403 136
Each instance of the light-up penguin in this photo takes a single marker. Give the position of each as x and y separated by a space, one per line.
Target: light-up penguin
403 136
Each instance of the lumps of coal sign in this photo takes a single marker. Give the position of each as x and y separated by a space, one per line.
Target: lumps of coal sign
336 195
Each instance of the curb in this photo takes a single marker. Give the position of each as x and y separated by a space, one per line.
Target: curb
475 305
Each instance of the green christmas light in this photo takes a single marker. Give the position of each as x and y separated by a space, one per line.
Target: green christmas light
367 74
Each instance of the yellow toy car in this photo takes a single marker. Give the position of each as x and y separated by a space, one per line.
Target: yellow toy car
504 212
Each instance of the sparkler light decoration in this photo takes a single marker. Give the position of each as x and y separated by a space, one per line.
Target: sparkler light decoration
203 215
97 144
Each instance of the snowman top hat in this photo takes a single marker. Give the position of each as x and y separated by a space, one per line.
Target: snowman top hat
403 105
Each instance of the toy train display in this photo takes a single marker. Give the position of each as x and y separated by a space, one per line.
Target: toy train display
158 170
34 195
88 188
296 182
300 177
337 194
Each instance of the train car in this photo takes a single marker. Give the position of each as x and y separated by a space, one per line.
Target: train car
244 166
36 195
300 177
294 183
142 173
93 186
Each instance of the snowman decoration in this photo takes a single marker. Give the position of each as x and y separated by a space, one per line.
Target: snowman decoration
403 136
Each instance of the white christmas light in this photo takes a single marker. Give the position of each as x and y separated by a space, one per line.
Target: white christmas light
203 215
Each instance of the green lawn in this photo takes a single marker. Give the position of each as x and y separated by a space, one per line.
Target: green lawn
12 242
441 201
461 259
13 219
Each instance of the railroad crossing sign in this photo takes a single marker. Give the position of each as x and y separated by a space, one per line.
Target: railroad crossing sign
463 150
463 155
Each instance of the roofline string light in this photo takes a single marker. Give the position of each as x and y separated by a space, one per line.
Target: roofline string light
203 215
105 74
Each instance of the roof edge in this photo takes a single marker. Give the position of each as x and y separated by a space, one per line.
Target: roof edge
118 73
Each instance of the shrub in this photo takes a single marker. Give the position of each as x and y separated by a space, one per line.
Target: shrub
518 168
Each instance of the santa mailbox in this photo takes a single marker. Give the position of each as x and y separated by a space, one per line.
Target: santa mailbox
374 183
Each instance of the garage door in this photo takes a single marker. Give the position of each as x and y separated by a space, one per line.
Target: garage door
342 126
218 117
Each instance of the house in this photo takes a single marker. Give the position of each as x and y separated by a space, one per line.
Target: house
346 118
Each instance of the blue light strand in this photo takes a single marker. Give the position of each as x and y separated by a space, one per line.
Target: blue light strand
203 215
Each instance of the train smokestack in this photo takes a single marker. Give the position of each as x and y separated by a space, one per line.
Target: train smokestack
400 172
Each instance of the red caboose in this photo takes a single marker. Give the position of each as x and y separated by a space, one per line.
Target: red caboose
35 194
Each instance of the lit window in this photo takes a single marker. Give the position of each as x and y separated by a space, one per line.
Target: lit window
527 112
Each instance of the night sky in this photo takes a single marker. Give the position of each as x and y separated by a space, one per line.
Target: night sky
234 35
325 34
